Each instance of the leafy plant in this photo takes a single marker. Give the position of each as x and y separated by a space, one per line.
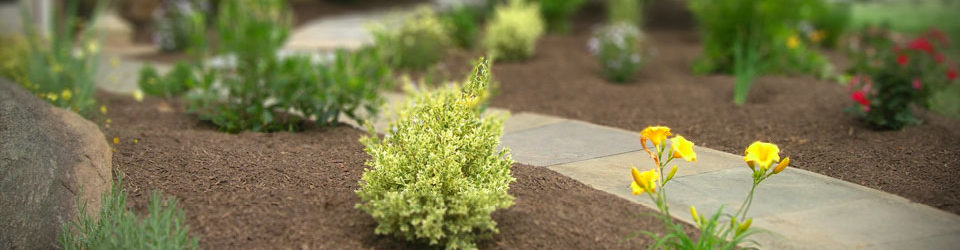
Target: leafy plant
514 30
418 43
557 13
624 11
59 67
462 25
118 228
753 37
830 21
181 24
437 175
179 80
890 78
619 49
762 158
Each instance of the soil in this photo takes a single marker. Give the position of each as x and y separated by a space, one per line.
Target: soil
802 114
296 190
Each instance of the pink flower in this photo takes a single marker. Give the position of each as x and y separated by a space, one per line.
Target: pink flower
902 59
858 96
921 44
939 57
917 84
952 74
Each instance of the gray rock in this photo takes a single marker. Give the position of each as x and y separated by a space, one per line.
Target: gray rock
49 157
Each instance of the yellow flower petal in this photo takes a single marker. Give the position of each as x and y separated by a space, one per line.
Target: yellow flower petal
682 148
762 154
644 182
656 134
116 140
793 42
66 94
103 109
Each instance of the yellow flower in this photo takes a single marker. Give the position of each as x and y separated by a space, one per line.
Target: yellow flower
138 95
644 182
66 94
656 134
52 96
135 141
793 42
682 148
56 68
817 35
108 121
116 140
762 154
93 47
783 164
103 109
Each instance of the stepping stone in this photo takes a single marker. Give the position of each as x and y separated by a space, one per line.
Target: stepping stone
566 142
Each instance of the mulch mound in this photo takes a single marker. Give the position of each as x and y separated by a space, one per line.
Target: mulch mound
296 190
801 114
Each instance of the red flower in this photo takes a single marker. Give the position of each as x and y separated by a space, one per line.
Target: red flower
902 59
917 84
939 35
859 97
952 74
921 44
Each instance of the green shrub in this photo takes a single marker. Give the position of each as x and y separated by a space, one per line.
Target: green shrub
619 49
437 174
830 22
462 25
179 80
118 228
180 24
624 11
753 37
60 67
418 43
514 30
557 13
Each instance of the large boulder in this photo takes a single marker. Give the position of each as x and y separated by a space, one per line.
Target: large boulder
49 159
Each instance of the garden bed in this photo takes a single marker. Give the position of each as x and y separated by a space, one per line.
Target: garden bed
802 114
296 190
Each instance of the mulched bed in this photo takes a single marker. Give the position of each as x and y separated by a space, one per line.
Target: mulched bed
296 190
801 114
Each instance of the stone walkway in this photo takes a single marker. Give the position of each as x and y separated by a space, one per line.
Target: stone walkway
801 209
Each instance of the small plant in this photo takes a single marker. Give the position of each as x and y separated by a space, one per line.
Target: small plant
437 175
180 24
753 37
763 158
418 43
619 49
513 32
179 80
624 11
462 25
830 22
890 78
557 13
60 67
118 228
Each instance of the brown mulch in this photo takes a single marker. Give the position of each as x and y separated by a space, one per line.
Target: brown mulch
801 114
296 190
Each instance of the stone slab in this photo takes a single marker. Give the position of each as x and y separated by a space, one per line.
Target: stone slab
566 142
524 121
119 75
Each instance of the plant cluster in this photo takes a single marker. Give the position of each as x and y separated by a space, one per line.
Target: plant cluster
619 49
513 32
889 78
753 37
180 24
624 11
437 175
179 80
115 227
556 13
463 25
829 22
762 158
419 42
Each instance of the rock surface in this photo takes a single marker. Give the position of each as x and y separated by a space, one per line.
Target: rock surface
49 158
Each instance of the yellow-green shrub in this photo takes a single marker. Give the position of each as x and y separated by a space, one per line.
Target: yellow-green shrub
437 175
514 31
418 43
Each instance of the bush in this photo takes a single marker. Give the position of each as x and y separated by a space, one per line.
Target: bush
179 80
830 22
437 175
891 78
619 49
624 11
753 37
118 228
418 43
462 25
180 24
557 13
514 30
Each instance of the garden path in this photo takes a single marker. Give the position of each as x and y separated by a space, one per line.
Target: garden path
800 209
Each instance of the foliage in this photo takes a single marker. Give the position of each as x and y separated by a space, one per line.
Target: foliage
118 228
890 77
418 43
624 11
762 158
59 67
619 49
179 80
437 174
753 37
829 22
514 30
462 25
181 24
12 58
556 13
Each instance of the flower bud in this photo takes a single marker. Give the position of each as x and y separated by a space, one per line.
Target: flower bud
671 174
782 165
743 227
693 213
